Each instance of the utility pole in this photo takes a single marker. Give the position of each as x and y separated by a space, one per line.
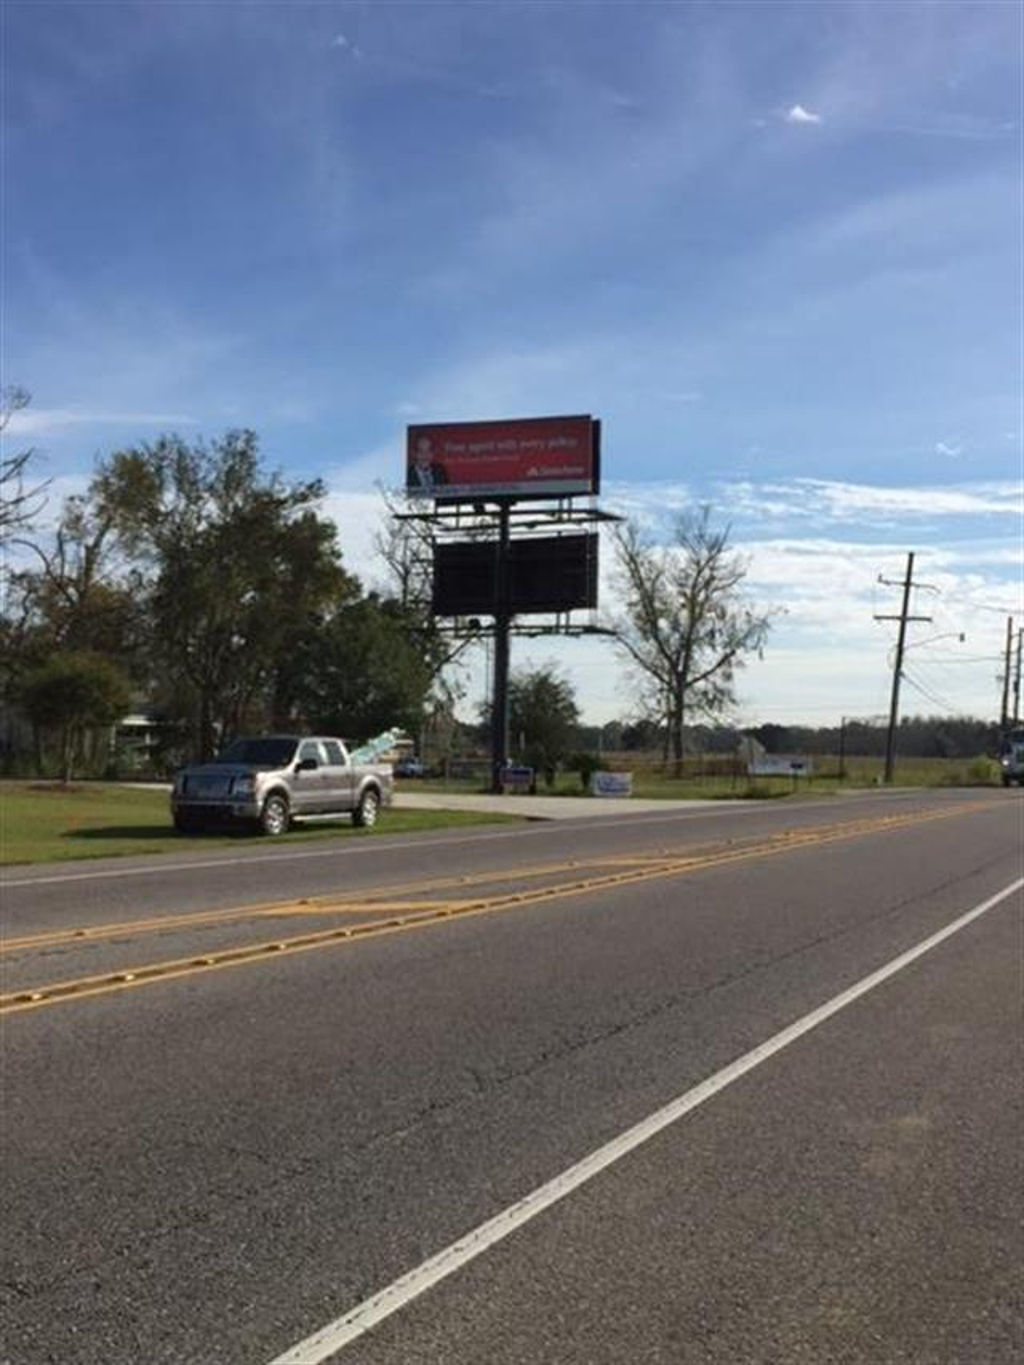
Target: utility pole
842 749
1004 712
502 641
1016 679
897 672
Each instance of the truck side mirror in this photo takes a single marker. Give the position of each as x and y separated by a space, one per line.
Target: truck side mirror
306 765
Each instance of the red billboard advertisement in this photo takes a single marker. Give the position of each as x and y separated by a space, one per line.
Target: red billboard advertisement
530 457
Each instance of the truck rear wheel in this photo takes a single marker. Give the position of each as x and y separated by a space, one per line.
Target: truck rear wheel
365 814
275 816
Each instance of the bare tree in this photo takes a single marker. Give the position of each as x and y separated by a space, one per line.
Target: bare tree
406 545
20 499
684 626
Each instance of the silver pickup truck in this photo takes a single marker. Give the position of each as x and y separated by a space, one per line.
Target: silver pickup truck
274 779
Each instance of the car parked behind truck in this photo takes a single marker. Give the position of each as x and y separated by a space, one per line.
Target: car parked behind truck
271 781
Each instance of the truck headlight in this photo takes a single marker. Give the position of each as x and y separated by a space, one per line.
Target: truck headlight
243 786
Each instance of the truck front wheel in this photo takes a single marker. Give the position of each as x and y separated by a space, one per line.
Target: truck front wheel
365 814
275 816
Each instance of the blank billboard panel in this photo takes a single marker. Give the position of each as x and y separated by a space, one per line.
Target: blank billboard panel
465 579
553 573
545 574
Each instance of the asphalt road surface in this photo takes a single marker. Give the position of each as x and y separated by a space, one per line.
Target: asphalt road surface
738 1085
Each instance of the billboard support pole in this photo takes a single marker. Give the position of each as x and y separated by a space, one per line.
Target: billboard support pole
502 651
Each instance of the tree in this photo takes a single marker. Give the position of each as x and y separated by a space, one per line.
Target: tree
20 499
684 626
360 672
241 567
405 543
73 693
76 598
542 718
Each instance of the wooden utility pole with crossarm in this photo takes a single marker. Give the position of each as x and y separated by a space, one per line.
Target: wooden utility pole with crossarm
897 672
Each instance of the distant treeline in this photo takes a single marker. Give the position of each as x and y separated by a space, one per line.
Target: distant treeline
919 737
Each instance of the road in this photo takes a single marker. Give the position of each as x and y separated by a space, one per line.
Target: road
730 1085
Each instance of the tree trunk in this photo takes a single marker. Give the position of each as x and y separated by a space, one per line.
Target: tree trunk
205 727
677 736
68 754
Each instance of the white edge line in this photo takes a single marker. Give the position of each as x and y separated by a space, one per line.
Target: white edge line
336 1335
553 826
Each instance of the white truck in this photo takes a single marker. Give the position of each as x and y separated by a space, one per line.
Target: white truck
272 780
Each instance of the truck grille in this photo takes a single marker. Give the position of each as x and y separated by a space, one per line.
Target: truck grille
206 788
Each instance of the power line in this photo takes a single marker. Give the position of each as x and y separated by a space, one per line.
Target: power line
980 606
927 692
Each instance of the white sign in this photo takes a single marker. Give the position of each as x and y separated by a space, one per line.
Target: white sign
611 784
780 765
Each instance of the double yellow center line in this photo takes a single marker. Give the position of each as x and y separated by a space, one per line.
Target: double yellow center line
416 905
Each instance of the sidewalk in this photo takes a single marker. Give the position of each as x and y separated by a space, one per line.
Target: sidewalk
544 807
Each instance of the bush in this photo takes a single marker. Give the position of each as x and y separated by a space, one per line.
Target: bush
585 765
984 770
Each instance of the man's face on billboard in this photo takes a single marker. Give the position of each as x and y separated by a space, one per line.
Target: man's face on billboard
424 452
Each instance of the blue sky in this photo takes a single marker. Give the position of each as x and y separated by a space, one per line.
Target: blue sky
776 248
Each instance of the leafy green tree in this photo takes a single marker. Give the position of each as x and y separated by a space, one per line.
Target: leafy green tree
360 672
543 715
71 694
685 626
240 567
75 595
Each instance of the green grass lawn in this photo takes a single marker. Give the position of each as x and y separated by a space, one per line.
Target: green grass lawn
44 822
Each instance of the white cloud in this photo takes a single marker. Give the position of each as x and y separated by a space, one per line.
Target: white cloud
798 114
839 501
827 656
951 449
359 516
34 421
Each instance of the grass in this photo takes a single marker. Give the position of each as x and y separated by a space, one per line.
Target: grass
47 822
701 781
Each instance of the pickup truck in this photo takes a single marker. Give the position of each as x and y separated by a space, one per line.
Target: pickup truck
273 780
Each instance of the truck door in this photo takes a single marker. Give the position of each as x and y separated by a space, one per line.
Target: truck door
308 794
337 777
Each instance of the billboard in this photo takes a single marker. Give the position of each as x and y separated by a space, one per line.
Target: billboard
530 457
545 574
465 579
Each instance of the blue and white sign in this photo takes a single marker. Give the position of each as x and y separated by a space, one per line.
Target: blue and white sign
611 784
516 778
780 765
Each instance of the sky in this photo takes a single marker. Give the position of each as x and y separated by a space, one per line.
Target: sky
775 248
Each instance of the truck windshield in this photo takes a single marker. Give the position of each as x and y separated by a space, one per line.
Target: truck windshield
262 753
